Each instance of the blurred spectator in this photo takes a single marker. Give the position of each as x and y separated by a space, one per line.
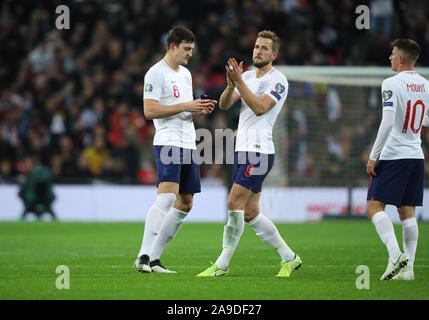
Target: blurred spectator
95 158
333 173
6 171
42 56
65 161
333 104
126 155
382 16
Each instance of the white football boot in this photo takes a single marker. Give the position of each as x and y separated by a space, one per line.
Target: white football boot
393 266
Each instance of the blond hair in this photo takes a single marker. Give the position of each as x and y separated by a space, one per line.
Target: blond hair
271 35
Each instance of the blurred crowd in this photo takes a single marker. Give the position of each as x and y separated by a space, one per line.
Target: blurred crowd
331 130
73 97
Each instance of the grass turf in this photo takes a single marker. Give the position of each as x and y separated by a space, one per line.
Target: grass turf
100 258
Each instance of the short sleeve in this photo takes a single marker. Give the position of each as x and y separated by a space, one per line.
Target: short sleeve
388 95
153 84
277 89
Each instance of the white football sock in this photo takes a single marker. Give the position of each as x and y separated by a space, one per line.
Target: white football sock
267 231
169 228
231 236
154 218
410 234
384 227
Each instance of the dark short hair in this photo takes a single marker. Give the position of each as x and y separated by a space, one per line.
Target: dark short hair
409 47
178 34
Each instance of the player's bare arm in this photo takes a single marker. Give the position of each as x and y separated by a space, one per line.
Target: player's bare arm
258 105
153 110
229 96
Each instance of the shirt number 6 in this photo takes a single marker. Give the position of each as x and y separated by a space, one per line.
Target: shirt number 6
176 91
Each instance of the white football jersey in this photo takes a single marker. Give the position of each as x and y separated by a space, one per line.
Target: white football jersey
255 133
169 87
407 94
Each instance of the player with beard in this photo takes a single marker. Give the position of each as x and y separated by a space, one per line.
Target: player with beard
168 100
263 92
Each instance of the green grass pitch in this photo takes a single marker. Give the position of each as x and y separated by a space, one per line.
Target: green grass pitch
100 258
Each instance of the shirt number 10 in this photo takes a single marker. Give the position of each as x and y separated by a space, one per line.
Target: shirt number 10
407 116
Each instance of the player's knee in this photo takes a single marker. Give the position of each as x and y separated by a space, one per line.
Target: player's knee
235 202
372 207
231 204
406 212
185 206
250 214
369 212
184 202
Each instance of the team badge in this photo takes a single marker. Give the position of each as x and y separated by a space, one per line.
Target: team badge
387 94
148 88
280 88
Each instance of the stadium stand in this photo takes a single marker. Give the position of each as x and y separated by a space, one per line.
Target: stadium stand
75 96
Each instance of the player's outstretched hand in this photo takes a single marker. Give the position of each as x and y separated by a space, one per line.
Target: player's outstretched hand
370 168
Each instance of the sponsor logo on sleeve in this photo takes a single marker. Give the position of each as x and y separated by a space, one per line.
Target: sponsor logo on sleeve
387 94
280 88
